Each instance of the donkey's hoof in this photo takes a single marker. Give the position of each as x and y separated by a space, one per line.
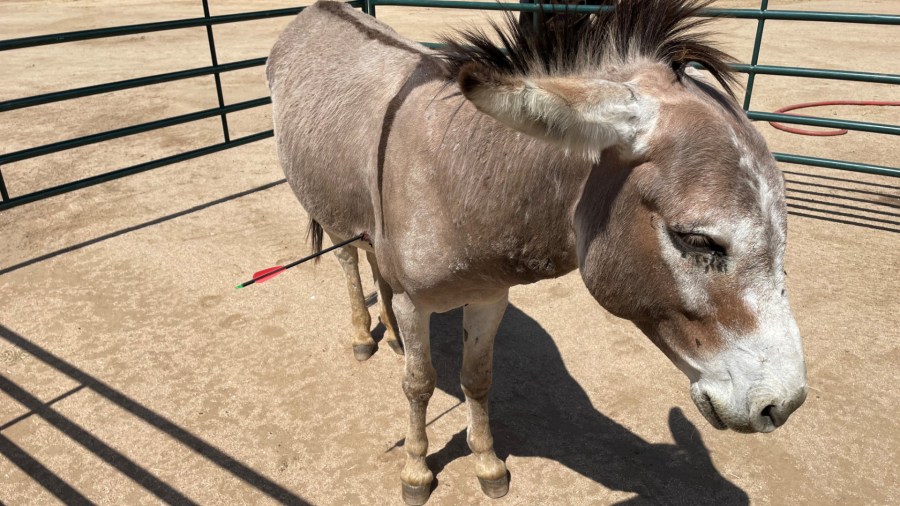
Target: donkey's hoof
363 352
396 346
495 489
416 495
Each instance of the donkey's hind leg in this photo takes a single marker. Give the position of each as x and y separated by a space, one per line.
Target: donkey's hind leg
363 344
385 297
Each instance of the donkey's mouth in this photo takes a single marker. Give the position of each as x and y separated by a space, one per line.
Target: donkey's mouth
708 409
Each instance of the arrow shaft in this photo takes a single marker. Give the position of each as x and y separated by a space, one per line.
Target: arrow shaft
275 272
326 250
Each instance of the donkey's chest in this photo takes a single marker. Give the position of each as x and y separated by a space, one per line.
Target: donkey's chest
453 276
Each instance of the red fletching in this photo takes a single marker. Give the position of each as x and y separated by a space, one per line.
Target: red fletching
271 272
267 274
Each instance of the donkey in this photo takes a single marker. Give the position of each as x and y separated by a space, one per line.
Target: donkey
476 168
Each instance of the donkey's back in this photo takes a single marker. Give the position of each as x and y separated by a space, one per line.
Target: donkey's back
332 75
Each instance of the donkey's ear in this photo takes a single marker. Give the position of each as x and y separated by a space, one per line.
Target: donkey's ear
582 115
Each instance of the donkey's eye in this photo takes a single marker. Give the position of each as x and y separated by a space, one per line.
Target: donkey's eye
701 243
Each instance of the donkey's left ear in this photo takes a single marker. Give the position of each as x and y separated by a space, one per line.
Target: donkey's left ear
583 115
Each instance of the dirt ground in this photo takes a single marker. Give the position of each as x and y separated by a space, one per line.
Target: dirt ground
132 372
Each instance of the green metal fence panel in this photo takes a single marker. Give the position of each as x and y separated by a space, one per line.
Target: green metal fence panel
8 201
753 68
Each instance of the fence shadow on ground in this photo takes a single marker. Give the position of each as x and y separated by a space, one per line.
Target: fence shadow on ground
539 410
59 488
846 201
40 473
139 226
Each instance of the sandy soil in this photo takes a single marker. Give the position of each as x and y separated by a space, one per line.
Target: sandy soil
133 373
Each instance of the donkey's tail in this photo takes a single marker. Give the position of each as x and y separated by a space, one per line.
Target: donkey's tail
315 234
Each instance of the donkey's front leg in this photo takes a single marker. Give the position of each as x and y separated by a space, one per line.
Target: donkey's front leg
363 344
418 385
480 323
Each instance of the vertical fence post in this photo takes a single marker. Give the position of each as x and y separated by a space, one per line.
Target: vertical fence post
369 7
215 62
751 75
4 195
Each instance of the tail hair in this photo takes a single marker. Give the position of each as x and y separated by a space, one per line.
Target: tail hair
315 233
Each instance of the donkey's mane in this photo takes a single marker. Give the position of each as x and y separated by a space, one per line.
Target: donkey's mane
634 31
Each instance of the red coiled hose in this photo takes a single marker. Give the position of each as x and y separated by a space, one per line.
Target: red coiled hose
823 133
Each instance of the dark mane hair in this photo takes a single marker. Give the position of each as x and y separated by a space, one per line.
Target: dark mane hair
634 30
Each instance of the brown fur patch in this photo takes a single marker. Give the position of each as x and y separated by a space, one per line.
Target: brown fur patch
571 90
731 310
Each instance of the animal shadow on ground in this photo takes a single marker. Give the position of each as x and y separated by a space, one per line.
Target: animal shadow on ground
539 410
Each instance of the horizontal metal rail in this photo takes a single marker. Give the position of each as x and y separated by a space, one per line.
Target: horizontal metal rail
828 163
860 126
782 15
130 130
119 31
177 24
840 75
824 17
138 82
134 169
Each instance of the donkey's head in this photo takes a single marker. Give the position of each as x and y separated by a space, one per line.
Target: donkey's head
681 226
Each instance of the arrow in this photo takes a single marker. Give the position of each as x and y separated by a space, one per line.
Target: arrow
271 272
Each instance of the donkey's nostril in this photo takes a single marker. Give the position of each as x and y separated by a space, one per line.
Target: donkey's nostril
775 411
769 418
770 412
